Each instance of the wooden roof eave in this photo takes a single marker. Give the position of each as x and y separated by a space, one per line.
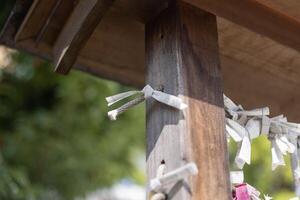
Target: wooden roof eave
257 17
238 49
248 13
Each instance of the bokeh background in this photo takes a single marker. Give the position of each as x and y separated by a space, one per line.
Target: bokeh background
57 143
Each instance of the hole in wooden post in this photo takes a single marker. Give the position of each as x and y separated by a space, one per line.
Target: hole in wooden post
160 88
163 162
161 36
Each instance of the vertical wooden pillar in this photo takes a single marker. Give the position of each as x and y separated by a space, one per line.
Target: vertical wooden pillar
182 59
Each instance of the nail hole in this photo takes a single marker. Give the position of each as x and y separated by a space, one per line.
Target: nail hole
163 162
160 88
161 36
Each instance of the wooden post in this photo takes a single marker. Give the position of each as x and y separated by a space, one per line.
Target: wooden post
182 59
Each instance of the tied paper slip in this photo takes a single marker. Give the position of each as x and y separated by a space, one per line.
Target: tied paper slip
147 92
159 182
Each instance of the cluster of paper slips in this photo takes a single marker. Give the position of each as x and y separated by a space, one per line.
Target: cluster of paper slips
245 125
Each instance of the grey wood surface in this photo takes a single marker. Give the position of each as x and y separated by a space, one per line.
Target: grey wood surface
182 59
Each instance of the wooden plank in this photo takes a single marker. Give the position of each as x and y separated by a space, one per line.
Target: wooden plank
77 31
288 7
257 17
257 88
49 18
182 58
25 21
259 52
36 19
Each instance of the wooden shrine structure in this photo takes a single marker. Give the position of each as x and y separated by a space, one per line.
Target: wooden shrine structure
190 48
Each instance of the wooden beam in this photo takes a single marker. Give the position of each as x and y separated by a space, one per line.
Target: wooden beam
182 58
20 34
257 17
80 26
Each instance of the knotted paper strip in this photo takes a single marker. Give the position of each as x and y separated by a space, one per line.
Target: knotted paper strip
159 195
178 174
237 177
147 92
267 197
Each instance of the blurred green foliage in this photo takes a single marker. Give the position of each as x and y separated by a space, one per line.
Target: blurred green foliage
55 139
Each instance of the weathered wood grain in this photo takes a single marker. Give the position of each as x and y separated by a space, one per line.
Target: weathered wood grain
80 26
288 7
182 58
20 33
256 16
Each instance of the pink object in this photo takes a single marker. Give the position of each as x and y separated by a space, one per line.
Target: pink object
241 192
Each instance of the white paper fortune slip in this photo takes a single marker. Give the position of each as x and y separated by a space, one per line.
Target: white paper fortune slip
244 153
178 174
267 197
147 92
237 177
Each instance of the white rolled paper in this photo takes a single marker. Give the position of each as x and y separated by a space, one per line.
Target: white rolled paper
265 127
244 153
284 145
253 192
173 176
233 134
255 112
239 129
242 120
277 157
169 100
159 196
279 118
113 114
229 104
118 97
237 177
266 197
294 127
253 127
146 93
